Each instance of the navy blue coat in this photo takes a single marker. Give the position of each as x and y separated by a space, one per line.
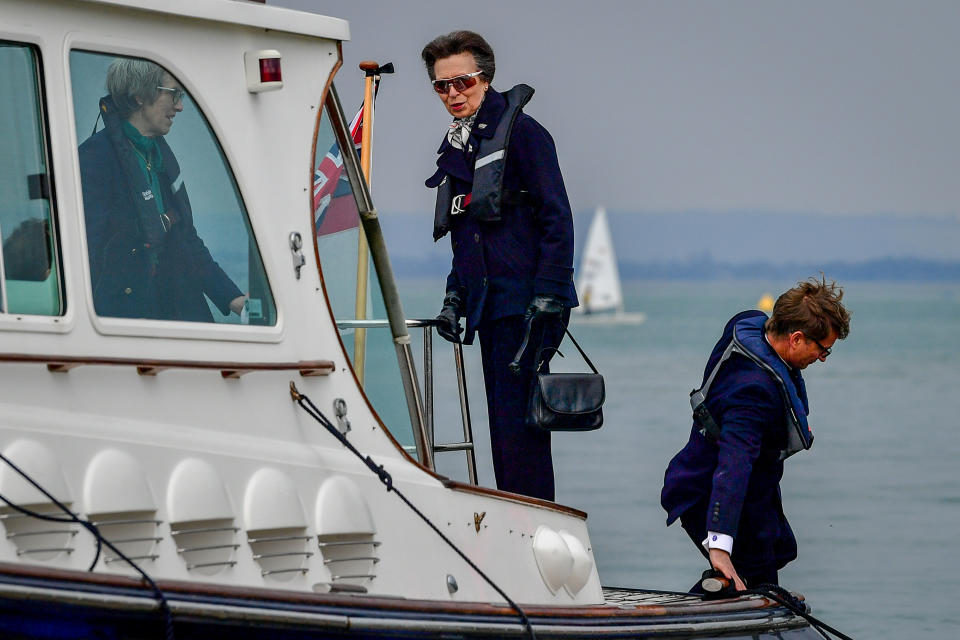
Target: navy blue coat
732 486
501 265
126 280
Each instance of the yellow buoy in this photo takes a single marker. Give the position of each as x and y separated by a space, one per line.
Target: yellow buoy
765 303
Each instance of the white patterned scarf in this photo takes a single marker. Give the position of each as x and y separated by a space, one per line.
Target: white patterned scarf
459 131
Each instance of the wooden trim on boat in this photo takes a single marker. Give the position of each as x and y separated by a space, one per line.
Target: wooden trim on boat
497 493
63 364
47 575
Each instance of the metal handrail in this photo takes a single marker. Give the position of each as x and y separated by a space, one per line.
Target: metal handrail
26 552
346 543
187 532
111 560
200 565
207 547
427 325
111 523
42 532
271 572
276 538
373 559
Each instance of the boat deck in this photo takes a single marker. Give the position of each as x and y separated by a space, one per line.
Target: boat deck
630 598
91 600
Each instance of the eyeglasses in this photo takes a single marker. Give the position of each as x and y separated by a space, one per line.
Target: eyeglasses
460 83
176 93
824 351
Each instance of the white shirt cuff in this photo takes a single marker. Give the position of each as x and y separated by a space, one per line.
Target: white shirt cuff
716 540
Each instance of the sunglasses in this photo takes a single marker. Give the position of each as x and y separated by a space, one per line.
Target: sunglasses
177 93
460 83
824 351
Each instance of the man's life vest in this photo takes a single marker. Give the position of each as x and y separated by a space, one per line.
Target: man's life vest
748 340
486 196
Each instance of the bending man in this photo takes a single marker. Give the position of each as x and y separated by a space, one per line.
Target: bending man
750 415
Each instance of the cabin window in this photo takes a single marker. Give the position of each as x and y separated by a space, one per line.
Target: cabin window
168 236
30 282
354 293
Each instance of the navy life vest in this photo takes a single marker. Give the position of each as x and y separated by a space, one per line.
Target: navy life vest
748 340
486 196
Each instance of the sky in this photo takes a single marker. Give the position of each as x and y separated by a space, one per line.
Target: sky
787 109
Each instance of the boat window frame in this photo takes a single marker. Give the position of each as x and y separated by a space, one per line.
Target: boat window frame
61 322
151 328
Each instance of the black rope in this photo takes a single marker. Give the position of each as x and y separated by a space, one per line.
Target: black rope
101 541
307 405
785 598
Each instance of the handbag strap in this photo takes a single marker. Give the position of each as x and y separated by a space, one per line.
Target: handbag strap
586 359
582 352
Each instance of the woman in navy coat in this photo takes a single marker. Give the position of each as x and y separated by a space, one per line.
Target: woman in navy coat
502 199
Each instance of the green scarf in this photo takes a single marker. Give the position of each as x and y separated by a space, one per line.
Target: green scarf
149 158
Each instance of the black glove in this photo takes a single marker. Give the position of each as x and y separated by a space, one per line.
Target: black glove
448 320
542 307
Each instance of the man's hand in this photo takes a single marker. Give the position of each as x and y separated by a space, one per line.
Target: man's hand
720 560
448 320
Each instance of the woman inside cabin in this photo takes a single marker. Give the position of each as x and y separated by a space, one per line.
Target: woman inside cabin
501 197
146 259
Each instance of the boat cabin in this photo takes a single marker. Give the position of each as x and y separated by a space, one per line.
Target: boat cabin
182 237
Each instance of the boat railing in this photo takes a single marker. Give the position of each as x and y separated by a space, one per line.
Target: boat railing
466 445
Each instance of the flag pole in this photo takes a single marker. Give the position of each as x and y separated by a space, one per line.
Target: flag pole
371 69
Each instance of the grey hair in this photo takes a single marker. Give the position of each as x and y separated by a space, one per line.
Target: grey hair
132 78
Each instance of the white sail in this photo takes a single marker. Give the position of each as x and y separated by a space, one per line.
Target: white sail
598 283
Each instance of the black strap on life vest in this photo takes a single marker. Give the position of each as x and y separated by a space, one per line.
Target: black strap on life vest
698 399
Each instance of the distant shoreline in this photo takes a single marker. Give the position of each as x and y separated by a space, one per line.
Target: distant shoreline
891 269
881 269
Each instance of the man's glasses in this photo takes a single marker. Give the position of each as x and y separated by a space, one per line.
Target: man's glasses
824 351
460 83
176 93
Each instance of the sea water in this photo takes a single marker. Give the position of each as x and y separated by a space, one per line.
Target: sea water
875 504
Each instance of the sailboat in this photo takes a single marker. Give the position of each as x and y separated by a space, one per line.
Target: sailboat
598 283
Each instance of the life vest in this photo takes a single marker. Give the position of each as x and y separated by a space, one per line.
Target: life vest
486 196
747 340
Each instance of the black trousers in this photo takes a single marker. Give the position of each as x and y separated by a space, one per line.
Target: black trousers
522 459
694 521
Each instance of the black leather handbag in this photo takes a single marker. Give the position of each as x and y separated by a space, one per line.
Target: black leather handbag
567 401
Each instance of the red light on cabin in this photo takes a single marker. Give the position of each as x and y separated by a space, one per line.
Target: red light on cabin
270 70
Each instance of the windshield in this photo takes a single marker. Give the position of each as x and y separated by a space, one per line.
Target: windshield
354 293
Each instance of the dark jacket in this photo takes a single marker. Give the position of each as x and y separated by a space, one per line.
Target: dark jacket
139 269
501 265
735 480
